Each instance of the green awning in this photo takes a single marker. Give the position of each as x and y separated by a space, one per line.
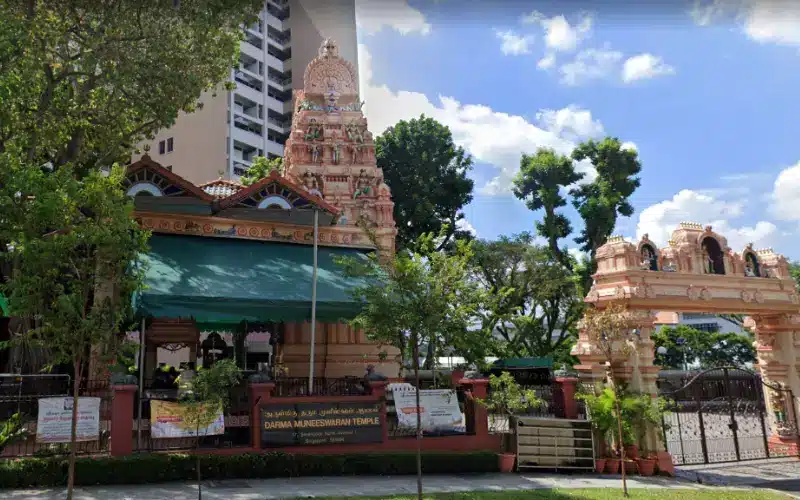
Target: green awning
4 311
523 363
222 282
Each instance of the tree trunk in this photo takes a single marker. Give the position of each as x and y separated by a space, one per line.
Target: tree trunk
419 419
197 461
621 442
73 443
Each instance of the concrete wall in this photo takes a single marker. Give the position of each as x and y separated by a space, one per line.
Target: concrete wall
200 141
312 21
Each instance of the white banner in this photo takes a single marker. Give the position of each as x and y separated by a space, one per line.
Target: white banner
167 421
54 424
438 407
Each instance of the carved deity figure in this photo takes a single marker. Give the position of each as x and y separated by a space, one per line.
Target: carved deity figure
363 184
314 153
313 131
750 265
355 153
336 152
647 258
304 105
354 133
708 262
669 266
332 98
311 183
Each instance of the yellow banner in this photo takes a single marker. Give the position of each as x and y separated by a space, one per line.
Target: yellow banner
169 420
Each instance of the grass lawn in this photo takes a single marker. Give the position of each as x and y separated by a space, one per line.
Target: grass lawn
594 494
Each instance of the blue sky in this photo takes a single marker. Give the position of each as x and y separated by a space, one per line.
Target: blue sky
706 93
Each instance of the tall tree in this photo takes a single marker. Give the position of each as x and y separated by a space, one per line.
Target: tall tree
427 173
81 82
538 315
419 298
539 183
600 202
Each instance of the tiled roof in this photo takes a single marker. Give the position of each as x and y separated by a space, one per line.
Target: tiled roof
221 188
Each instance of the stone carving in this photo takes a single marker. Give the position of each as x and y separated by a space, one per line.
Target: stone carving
336 153
705 294
315 150
313 183
708 262
746 297
758 296
592 296
765 341
363 185
794 298
328 71
619 292
692 292
314 131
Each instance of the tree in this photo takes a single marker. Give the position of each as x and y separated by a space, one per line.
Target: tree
794 271
537 316
427 174
76 281
260 168
610 331
81 82
539 183
420 298
545 175
207 396
685 345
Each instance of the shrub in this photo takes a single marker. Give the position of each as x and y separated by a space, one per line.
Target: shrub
156 468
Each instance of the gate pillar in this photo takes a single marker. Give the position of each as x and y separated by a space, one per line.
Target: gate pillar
778 352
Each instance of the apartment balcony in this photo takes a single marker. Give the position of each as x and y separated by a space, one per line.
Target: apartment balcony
246 118
274 62
281 41
276 104
248 92
278 24
247 138
283 125
251 50
271 147
252 75
278 10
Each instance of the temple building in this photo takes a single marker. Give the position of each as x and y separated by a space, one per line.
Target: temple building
236 262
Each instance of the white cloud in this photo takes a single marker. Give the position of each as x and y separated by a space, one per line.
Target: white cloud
644 66
591 64
514 44
466 225
490 136
629 145
547 61
659 220
559 34
785 201
373 15
764 21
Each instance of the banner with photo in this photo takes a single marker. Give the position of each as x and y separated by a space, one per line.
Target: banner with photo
54 422
438 407
168 420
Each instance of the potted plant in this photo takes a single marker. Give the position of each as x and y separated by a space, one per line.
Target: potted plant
506 399
600 408
644 412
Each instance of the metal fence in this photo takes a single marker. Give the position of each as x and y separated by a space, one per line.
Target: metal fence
298 386
21 394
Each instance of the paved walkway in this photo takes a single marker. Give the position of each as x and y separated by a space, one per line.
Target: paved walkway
347 486
779 473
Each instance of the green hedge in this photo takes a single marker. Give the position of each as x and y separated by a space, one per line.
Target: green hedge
155 468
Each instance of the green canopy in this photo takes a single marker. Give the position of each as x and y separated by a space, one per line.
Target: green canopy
4 311
221 282
523 363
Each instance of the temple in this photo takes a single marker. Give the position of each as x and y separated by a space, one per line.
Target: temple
229 272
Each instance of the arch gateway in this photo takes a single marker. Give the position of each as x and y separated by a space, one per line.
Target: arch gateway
698 272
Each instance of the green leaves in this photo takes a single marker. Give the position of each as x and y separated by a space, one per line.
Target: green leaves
423 298
209 392
709 349
427 174
260 168
507 397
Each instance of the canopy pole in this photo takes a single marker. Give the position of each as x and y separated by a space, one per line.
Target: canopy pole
141 387
313 307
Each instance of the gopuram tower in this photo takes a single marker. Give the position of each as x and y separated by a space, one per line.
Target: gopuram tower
331 153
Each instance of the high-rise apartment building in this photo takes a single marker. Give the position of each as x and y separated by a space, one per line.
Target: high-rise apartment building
223 136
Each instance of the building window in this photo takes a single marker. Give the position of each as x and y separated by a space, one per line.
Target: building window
169 145
162 148
705 327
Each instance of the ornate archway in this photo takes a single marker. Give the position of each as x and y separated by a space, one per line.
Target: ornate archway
698 272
